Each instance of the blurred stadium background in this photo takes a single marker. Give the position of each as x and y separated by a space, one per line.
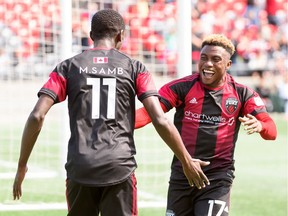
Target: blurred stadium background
32 42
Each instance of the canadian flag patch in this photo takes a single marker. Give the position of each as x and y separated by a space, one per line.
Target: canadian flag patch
100 60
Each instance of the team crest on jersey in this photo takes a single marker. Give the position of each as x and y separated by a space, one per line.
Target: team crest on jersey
231 105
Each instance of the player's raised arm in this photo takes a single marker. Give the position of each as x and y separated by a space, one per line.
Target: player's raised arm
169 133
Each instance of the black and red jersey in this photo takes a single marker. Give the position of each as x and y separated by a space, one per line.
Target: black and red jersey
207 119
101 86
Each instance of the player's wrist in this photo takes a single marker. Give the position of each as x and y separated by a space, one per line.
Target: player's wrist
260 127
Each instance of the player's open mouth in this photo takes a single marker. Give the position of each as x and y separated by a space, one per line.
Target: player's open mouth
208 73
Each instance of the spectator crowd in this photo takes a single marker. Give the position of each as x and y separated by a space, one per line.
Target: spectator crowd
30 32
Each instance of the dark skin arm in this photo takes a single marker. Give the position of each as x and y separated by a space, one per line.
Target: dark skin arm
30 134
171 136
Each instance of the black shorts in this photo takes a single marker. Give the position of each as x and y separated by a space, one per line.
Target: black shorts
114 200
212 200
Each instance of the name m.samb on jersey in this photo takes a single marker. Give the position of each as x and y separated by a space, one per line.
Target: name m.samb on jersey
101 70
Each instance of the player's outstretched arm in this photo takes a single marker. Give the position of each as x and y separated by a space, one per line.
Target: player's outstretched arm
261 123
31 131
169 133
143 118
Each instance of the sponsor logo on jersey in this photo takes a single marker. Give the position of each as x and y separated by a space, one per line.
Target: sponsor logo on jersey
193 101
231 105
100 60
231 121
213 120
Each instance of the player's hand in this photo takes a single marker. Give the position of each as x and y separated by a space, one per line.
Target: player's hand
195 174
17 186
251 124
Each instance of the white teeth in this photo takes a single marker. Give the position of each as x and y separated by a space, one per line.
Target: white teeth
208 73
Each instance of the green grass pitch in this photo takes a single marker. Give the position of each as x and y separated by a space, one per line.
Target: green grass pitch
260 186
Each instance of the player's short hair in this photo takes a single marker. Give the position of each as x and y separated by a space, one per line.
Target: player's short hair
106 23
219 40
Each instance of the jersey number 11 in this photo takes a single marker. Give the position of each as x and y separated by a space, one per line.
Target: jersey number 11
96 87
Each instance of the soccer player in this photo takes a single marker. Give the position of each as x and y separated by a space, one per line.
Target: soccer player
210 107
101 84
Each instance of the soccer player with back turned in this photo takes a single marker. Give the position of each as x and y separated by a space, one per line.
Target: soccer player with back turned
101 84
210 107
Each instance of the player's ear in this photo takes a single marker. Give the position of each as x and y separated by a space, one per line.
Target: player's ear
122 35
119 39
91 36
228 65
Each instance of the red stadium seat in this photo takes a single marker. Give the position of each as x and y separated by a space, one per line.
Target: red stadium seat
24 20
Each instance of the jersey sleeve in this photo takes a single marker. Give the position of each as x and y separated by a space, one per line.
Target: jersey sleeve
269 130
145 86
143 118
168 97
55 87
254 104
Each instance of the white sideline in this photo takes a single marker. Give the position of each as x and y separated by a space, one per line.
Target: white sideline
63 206
156 202
28 207
41 173
30 175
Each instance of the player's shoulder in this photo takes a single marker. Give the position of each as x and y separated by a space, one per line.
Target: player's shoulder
74 58
129 59
232 81
186 79
243 90
122 54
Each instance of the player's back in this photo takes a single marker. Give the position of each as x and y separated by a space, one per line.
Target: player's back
101 99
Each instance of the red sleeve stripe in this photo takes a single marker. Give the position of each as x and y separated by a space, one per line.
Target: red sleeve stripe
144 84
55 87
269 130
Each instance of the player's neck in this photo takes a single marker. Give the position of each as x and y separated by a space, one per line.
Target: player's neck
104 43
